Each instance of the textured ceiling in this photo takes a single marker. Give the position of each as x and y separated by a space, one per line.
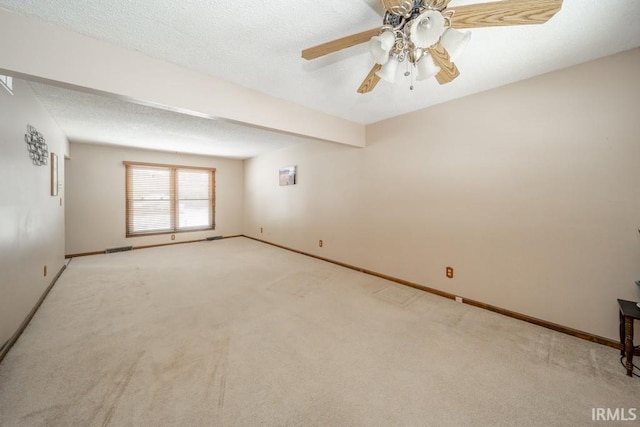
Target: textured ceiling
258 45
99 119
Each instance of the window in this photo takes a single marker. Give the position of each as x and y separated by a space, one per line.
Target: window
7 83
169 198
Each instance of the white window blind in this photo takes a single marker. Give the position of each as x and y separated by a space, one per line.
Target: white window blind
168 198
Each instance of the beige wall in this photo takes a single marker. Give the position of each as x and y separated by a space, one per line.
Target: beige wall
95 214
530 191
31 220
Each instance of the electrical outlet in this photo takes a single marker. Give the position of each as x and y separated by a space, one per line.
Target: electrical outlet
45 271
450 272
173 237
261 230
320 243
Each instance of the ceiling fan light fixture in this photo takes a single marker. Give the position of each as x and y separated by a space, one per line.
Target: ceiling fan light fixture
455 42
426 67
421 34
380 46
389 71
426 29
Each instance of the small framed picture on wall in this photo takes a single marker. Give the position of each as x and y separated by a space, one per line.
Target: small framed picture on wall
288 175
54 174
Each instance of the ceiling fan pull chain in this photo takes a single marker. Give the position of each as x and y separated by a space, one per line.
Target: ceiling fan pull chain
412 67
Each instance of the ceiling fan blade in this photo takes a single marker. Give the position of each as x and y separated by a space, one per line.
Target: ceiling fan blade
339 44
507 12
371 80
448 70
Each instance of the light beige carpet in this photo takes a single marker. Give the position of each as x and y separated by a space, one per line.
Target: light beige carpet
240 333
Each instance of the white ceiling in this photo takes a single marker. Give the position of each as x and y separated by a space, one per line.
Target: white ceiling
98 119
258 45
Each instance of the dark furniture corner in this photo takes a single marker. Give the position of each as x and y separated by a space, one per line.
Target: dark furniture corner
629 312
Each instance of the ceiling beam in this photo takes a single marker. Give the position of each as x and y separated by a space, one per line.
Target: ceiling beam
46 53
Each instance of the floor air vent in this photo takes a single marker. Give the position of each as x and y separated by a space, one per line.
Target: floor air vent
122 249
214 238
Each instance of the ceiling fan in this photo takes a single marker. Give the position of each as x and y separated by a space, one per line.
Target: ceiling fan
424 35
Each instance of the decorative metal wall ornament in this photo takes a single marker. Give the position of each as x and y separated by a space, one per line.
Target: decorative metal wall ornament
38 149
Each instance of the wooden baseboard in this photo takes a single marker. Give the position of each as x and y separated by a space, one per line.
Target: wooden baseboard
83 254
7 346
549 325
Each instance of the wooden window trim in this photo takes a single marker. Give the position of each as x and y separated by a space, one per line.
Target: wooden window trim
164 165
174 197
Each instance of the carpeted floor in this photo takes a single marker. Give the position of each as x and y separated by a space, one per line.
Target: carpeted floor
240 333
